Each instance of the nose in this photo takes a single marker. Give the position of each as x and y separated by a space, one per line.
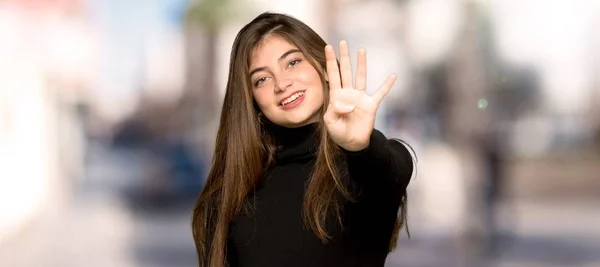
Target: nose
283 83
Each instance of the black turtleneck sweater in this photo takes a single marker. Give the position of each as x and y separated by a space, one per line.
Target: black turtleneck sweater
273 234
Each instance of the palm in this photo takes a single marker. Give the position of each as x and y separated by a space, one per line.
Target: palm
350 115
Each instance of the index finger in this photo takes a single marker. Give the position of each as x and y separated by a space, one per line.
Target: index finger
333 72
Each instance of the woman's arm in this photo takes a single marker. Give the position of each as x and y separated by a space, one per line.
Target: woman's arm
381 162
350 118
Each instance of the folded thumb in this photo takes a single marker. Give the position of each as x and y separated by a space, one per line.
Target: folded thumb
341 108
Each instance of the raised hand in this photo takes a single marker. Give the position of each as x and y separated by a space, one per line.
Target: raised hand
350 115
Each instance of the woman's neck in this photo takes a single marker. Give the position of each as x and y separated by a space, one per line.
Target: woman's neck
294 143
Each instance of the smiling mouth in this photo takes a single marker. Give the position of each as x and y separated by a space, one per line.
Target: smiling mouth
291 99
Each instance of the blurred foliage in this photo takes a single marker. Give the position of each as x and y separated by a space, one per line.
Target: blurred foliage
212 14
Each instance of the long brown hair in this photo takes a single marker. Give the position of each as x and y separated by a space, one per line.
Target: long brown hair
244 150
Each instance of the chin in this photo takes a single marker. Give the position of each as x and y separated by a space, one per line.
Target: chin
296 118
294 123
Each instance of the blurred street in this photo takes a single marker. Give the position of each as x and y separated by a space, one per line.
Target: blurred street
109 112
97 228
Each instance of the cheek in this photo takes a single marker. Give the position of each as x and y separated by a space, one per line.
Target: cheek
319 97
308 75
317 85
262 99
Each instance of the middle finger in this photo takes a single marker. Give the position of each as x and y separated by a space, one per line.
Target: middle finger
361 70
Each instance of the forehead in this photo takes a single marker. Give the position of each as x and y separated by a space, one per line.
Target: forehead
269 50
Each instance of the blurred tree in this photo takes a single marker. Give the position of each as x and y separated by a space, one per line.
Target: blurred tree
204 20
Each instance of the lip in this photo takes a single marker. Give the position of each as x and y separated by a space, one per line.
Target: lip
286 97
294 104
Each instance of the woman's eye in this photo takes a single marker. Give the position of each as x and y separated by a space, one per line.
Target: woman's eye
260 81
294 62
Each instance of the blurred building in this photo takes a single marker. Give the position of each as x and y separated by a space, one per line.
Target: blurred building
36 77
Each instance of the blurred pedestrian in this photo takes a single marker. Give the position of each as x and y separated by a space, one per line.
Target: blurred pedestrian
300 177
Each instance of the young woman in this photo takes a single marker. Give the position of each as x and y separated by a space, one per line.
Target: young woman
299 175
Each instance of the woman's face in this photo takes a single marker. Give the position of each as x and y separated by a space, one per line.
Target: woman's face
286 87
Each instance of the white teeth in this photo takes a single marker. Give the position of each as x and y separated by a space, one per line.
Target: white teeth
292 98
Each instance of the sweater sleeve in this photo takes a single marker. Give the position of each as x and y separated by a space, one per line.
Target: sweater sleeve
382 162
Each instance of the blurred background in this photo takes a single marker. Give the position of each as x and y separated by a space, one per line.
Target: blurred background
109 109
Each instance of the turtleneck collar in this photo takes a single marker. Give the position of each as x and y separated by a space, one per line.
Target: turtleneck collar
294 144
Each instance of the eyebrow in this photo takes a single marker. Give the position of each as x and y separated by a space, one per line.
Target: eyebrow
291 51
